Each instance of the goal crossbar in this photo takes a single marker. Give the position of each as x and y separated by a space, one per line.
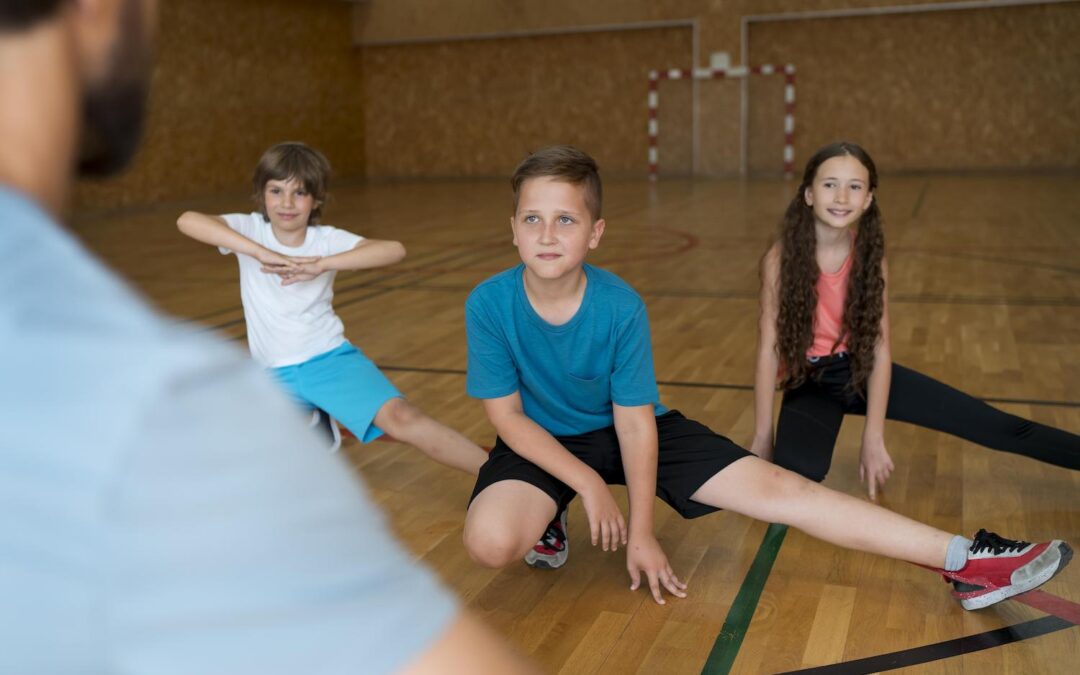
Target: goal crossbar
657 76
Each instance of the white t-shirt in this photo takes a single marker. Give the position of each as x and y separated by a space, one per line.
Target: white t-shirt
287 325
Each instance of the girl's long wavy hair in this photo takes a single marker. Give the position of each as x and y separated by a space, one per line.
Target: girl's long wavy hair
799 273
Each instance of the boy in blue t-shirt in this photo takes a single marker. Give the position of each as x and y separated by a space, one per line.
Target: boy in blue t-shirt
559 352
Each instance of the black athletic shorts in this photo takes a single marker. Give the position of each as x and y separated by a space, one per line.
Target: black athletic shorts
689 455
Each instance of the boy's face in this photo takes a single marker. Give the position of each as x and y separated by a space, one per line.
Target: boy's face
288 204
553 228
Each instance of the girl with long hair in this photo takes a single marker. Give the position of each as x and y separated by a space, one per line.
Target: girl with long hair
824 326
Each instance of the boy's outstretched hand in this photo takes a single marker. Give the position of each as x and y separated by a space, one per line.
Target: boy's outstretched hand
644 554
606 522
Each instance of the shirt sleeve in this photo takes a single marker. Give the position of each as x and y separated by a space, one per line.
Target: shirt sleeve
633 379
243 223
243 547
491 371
339 241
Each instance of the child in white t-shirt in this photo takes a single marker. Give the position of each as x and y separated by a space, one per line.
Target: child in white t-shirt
287 266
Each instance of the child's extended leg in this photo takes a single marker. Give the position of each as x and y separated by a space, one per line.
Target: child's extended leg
409 424
761 490
505 520
918 399
988 570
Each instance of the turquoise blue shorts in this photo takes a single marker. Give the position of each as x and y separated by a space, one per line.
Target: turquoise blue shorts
344 383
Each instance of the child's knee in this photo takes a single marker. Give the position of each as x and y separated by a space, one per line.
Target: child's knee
397 415
491 547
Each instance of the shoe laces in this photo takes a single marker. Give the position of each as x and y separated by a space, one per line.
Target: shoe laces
988 540
553 535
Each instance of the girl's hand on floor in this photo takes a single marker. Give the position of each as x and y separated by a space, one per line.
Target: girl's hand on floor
875 465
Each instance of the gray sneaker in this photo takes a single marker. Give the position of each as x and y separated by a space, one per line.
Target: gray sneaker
552 550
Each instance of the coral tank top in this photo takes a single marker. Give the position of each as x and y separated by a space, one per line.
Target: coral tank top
829 313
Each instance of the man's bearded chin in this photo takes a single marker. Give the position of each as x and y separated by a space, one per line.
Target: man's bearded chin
113 108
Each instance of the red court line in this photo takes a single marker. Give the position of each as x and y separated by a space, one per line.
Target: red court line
1051 604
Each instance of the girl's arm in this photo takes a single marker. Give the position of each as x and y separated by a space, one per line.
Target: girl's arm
636 429
767 359
875 465
536 444
213 230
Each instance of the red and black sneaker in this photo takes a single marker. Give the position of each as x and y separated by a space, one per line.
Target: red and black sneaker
552 550
999 568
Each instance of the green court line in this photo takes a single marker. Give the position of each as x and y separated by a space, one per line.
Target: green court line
727 644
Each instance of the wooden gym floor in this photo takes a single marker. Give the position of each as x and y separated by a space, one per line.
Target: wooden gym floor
985 295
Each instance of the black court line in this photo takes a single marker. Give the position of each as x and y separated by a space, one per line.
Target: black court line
1001 260
919 200
735 387
379 290
378 282
943 650
665 383
374 283
925 299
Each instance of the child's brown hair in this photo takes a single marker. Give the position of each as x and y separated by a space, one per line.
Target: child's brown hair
565 163
291 160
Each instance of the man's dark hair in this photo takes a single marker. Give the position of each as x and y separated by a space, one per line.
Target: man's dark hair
20 14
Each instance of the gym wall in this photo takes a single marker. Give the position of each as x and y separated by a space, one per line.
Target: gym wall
231 79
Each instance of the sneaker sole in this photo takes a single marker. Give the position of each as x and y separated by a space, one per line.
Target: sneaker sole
535 561
538 564
995 596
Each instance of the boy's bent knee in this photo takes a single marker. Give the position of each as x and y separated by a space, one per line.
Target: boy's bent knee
492 549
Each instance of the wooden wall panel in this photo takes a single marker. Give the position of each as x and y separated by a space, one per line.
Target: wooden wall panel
974 89
389 21
382 21
476 108
232 78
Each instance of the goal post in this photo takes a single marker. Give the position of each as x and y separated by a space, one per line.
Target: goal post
657 76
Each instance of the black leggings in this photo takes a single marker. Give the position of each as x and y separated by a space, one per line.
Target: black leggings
811 414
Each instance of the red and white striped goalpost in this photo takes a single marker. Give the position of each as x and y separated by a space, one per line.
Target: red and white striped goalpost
655 77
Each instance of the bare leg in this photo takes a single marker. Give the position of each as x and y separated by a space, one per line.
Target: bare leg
761 490
505 520
409 424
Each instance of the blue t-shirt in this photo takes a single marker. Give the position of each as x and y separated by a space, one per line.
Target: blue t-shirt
162 507
568 375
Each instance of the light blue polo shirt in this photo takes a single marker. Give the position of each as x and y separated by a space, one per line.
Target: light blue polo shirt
568 375
162 507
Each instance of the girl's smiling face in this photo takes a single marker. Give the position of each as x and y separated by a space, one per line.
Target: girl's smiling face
840 193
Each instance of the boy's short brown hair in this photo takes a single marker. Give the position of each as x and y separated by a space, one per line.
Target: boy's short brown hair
565 163
290 160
